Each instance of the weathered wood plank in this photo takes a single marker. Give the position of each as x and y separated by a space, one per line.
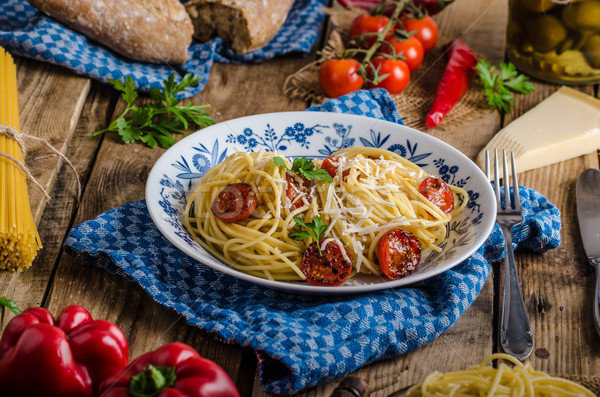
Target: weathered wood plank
50 103
558 286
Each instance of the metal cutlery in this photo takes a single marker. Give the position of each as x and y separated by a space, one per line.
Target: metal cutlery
588 214
516 337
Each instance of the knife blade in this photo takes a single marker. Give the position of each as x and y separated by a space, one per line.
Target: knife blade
588 214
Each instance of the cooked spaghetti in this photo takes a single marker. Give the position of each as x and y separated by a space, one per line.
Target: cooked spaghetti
374 190
484 380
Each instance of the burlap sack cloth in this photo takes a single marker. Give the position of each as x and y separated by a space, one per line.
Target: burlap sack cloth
413 103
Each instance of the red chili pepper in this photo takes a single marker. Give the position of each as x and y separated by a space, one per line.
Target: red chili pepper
432 6
455 81
68 357
173 370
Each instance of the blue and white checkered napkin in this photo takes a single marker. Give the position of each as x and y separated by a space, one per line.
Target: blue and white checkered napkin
303 340
25 31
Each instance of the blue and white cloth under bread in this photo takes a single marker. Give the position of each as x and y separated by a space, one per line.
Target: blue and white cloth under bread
303 340
27 32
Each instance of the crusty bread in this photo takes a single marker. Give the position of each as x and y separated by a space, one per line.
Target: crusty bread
158 31
243 24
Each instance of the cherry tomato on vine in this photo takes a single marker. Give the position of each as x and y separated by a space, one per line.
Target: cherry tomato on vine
338 77
398 73
235 202
426 28
328 268
438 192
366 24
399 253
410 48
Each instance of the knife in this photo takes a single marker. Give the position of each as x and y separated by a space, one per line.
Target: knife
588 214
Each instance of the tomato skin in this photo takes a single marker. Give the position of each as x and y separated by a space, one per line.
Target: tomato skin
399 253
338 77
427 31
329 269
399 74
297 184
365 23
410 48
234 203
438 192
330 164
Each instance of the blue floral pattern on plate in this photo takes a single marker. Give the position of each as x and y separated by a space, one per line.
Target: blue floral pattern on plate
317 135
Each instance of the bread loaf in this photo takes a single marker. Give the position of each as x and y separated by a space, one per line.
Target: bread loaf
158 31
243 24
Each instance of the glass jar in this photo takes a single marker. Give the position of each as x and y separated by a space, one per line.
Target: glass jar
555 40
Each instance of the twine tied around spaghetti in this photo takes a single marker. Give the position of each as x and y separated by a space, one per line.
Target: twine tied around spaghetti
20 138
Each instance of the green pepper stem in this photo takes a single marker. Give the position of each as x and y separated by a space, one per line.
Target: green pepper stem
152 380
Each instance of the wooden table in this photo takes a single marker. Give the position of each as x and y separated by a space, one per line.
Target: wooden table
65 109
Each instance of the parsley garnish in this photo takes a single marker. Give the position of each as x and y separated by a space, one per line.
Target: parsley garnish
306 168
153 123
314 230
499 83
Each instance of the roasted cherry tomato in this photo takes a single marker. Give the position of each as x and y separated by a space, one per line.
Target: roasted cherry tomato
338 77
368 25
399 253
297 190
398 74
438 192
234 203
330 164
411 49
426 30
328 268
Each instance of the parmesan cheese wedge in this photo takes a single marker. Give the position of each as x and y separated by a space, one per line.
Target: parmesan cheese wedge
563 126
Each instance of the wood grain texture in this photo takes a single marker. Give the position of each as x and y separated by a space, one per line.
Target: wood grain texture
50 103
66 109
558 286
38 85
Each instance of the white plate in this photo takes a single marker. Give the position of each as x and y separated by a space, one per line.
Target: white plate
316 135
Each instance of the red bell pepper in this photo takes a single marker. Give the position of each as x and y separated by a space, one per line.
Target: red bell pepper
66 357
455 81
173 370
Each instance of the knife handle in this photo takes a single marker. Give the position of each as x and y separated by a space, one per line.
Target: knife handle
596 263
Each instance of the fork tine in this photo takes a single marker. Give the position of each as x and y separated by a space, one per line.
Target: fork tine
516 201
507 203
497 180
487 164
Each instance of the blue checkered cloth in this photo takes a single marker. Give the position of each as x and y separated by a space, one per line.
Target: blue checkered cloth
303 340
26 32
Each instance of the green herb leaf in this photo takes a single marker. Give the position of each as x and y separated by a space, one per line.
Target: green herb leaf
153 123
306 168
10 305
499 82
314 230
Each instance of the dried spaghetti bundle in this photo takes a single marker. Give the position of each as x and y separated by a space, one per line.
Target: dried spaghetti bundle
19 238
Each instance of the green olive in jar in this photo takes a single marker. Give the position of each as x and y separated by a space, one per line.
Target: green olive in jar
582 15
537 5
591 50
545 33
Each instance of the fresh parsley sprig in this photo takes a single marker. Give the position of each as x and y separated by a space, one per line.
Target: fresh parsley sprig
314 230
153 123
306 168
499 83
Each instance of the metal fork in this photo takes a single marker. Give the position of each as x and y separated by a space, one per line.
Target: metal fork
516 337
